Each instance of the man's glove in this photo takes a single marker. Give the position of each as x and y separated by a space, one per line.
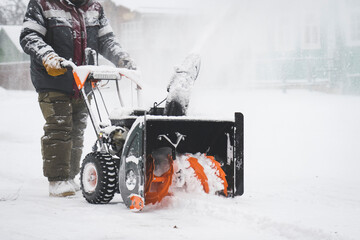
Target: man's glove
52 64
127 63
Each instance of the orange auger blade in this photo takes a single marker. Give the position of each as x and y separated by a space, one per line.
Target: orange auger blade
219 172
199 172
137 203
157 187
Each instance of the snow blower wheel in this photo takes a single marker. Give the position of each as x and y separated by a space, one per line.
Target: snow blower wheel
98 178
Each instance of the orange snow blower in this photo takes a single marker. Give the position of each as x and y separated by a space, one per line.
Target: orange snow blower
146 154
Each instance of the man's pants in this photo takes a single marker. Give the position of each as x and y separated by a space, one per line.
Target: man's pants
63 138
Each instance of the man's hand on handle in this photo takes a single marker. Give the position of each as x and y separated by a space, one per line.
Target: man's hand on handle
52 64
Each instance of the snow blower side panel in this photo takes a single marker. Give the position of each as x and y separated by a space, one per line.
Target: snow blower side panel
131 172
239 154
221 139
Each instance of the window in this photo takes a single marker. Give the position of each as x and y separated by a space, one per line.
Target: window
285 35
354 28
311 33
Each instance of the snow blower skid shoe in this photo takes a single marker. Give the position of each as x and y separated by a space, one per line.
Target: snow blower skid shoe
147 155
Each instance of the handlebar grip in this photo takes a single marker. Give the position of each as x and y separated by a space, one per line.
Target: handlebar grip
68 64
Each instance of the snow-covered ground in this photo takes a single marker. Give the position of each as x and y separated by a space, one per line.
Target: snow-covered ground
302 181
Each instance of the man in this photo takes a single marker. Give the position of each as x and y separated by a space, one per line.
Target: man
55 30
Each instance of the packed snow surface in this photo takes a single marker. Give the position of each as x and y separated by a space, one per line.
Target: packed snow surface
302 181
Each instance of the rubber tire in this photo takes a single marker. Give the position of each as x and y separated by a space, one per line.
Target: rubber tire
107 181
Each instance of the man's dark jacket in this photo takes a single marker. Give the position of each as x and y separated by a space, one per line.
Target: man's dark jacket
61 27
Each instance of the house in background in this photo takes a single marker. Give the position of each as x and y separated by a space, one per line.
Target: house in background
285 44
158 34
14 63
10 49
347 46
314 48
138 22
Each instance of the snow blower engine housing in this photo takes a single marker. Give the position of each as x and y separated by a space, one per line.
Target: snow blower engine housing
147 154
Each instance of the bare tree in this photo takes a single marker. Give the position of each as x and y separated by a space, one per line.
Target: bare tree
12 12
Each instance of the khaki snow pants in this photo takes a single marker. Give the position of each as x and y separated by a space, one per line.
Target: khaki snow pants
62 143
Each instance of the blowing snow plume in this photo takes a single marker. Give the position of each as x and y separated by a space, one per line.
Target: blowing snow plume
247 44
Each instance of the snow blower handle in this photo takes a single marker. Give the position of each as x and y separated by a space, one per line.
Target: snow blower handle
98 73
105 72
68 64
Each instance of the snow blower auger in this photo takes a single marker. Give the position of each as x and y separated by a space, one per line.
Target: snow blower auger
146 154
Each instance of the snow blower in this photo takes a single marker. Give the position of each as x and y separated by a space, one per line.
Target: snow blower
145 154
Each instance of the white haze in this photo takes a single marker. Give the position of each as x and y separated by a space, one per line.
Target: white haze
229 35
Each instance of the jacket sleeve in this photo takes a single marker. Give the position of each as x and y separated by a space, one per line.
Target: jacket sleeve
109 47
34 31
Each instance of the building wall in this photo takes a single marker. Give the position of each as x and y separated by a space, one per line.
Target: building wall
325 48
154 40
118 15
8 51
14 66
15 76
